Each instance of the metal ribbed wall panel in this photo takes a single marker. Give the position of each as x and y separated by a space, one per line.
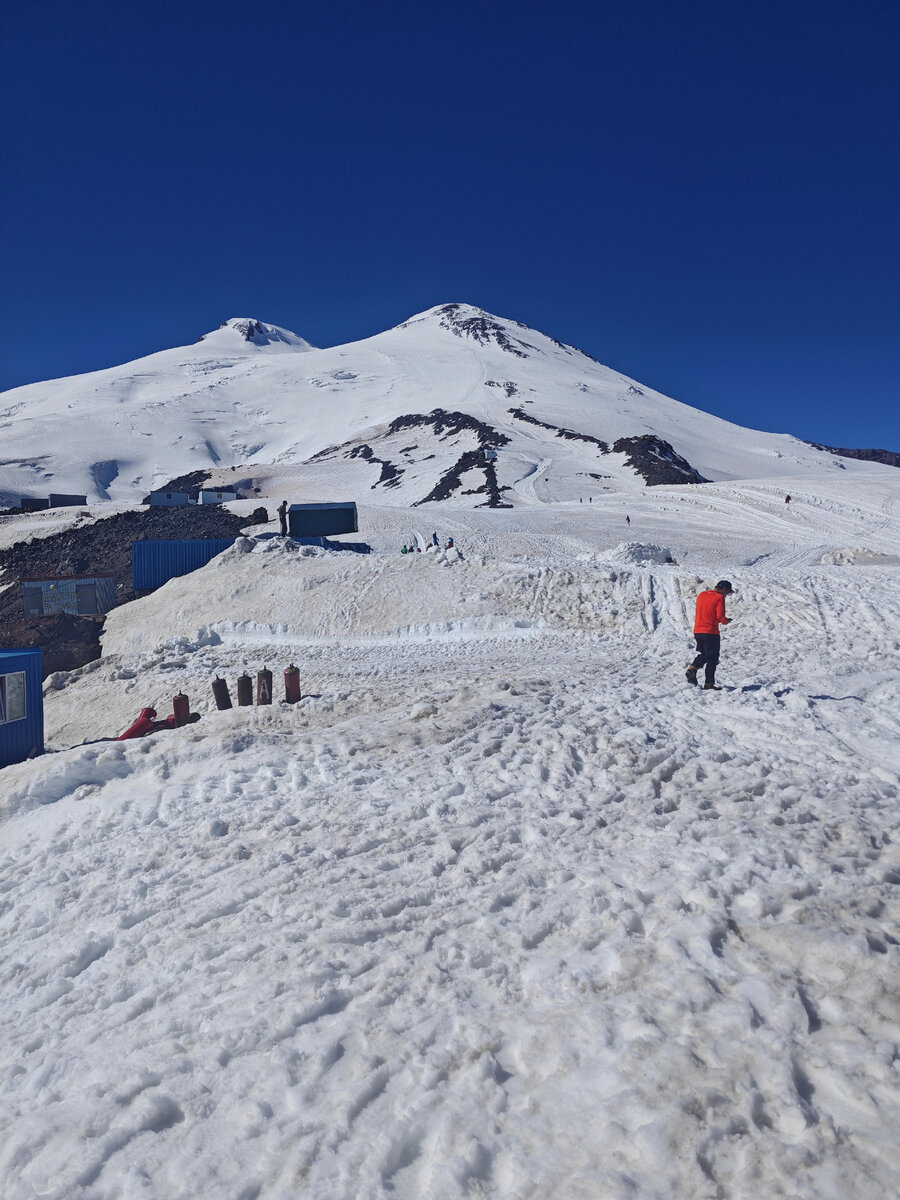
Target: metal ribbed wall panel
24 737
106 593
155 563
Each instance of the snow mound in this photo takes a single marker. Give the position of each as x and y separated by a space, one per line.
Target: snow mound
639 552
854 556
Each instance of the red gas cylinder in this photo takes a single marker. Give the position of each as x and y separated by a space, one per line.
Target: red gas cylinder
220 692
244 690
181 709
291 684
264 686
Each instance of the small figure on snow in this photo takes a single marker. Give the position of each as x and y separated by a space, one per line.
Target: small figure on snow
449 545
710 615
627 519
787 499
404 549
434 540
282 517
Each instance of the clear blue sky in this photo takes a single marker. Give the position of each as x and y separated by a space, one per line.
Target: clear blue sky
704 196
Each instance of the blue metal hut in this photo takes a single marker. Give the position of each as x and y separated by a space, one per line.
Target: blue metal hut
21 705
154 563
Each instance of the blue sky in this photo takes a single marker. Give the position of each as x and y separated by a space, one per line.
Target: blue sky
701 195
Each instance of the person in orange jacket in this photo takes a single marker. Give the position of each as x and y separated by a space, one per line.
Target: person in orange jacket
710 615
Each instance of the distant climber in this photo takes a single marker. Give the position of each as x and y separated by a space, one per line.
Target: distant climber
787 499
449 545
627 519
282 517
434 540
710 615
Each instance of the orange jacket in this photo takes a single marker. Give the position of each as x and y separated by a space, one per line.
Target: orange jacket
710 612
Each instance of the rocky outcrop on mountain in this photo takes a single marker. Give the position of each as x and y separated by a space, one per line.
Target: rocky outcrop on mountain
390 474
462 321
452 481
448 424
569 434
507 384
656 460
888 457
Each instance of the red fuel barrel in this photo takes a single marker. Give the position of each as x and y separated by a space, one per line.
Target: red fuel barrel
291 684
244 690
264 686
220 692
181 709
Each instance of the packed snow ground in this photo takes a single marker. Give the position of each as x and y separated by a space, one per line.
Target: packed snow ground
502 907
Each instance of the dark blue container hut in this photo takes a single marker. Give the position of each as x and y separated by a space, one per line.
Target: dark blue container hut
21 705
321 520
154 563
65 500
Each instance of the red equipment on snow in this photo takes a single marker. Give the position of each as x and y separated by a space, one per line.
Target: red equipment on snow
181 709
145 723
142 726
220 692
292 684
244 690
264 686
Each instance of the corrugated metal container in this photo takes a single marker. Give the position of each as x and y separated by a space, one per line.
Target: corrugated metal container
321 520
155 563
62 500
211 496
169 499
82 597
21 706
33 504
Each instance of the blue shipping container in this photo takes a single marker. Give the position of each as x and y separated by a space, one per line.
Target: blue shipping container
155 563
21 705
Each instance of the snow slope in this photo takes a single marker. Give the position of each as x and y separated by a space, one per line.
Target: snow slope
502 907
259 398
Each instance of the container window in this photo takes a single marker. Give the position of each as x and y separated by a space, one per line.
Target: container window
12 697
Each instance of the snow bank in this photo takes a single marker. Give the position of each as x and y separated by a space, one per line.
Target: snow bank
638 553
855 556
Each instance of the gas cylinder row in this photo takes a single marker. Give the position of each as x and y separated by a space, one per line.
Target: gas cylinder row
263 688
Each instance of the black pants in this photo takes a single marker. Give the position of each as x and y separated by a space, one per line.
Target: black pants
708 654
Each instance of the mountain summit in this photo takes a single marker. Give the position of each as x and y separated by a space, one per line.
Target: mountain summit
256 333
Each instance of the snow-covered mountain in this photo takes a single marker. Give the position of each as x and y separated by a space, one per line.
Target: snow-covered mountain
414 413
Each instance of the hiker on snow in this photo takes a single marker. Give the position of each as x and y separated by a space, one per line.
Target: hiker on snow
710 615
282 517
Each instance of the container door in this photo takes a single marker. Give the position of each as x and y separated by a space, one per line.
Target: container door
86 598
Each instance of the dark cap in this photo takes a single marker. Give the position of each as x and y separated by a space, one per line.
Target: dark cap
724 585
